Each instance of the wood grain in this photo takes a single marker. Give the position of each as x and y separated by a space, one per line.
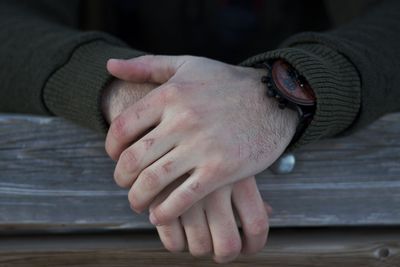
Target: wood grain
55 176
287 248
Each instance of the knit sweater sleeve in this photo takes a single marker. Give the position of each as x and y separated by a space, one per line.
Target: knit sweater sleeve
48 66
354 71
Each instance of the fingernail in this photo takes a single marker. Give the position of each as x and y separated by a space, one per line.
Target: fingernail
134 209
153 220
111 60
114 59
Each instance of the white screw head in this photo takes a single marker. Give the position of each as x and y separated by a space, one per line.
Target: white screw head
284 164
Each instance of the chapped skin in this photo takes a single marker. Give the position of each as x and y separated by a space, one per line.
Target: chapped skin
148 143
140 109
194 94
212 123
167 166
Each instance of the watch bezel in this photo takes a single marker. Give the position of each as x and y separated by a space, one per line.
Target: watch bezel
291 82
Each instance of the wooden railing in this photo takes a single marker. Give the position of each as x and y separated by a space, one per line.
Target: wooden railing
59 203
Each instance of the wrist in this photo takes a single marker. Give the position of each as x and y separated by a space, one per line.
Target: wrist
292 91
106 97
118 95
287 121
282 122
279 124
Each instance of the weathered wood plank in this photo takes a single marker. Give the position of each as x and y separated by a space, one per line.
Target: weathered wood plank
55 176
286 248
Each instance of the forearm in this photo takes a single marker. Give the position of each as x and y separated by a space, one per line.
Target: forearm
334 81
50 67
30 42
353 70
118 95
370 43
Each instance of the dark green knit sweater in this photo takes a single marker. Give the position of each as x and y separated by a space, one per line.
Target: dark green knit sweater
50 67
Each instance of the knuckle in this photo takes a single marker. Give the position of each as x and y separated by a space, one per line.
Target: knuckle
171 91
187 119
168 167
138 108
120 180
161 215
118 128
148 143
136 202
258 227
132 198
196 188
229 249
174 246
150 179
191 116
212 171
186 198
201 248
192 191
170 241
111 152
128 160
201 251
109 147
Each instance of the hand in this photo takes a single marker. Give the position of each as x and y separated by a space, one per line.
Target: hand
208 119
119 95
209 226
202 227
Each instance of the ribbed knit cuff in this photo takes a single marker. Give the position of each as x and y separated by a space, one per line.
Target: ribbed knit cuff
74 91
334 80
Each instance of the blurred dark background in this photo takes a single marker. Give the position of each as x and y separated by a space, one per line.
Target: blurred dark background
227 30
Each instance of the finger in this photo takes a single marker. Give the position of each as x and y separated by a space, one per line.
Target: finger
197 232
196 187
134 122
134 159
155 69
166 192
224 230
152 180
252 213
171 235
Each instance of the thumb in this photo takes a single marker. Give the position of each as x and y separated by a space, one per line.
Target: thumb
153 69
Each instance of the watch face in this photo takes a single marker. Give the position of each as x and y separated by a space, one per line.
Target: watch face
293 87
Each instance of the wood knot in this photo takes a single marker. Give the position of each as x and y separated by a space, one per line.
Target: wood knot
383 253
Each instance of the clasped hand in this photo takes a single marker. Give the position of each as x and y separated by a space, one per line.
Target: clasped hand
189 149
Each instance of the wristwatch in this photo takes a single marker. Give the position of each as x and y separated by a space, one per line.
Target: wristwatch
291 90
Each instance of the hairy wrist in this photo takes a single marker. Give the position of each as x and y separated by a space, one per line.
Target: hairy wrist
118 95
280 122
